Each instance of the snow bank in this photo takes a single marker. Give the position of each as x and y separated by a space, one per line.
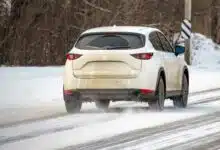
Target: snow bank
203 79
5 6
25 86
206 53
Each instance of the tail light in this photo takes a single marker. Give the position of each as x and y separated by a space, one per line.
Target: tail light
143 56
146 91
72 56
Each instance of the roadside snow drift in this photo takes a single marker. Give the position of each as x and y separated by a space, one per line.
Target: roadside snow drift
206 53
30 86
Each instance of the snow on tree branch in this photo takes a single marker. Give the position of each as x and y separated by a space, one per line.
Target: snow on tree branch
5 7
97 7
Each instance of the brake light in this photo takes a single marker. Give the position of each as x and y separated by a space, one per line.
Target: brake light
72 56
143 56
146 91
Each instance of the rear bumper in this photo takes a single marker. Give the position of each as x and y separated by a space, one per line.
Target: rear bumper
113 94
111 84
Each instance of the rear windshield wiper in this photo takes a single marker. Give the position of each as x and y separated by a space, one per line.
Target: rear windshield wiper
118 47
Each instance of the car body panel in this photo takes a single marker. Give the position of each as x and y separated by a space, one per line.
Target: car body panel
171 65
117 69
103 64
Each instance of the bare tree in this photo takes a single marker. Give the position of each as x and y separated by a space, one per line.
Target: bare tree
5 7
40 32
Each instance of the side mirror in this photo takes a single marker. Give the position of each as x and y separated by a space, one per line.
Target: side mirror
179 50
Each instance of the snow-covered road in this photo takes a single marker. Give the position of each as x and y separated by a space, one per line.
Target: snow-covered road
16 116
184 134
126 125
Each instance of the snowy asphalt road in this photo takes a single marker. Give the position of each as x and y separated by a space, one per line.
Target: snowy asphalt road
126 125
170 136
28 115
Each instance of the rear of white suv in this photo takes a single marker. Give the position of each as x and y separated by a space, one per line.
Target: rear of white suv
120 64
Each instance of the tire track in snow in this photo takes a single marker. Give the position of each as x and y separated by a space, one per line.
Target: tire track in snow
211 142
52 116
57 115
6 140
204 91
190 136
206 100
31 120
138 136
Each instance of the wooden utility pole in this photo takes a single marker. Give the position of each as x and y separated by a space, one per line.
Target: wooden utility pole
188 42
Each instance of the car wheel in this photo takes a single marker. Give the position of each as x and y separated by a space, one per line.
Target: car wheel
158 104
182 100
72 103
102 104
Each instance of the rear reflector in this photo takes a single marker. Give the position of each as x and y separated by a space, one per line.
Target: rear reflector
143 56
72 56
68 92
146 91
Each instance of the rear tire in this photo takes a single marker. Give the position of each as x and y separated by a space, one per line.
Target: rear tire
158 104
102 104
182 100
72 103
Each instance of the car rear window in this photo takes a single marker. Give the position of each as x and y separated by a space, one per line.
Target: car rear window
110 41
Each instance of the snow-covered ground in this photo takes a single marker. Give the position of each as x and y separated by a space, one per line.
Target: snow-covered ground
205 54
31 92
24 86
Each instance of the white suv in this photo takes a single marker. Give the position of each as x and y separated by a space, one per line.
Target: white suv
122 63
